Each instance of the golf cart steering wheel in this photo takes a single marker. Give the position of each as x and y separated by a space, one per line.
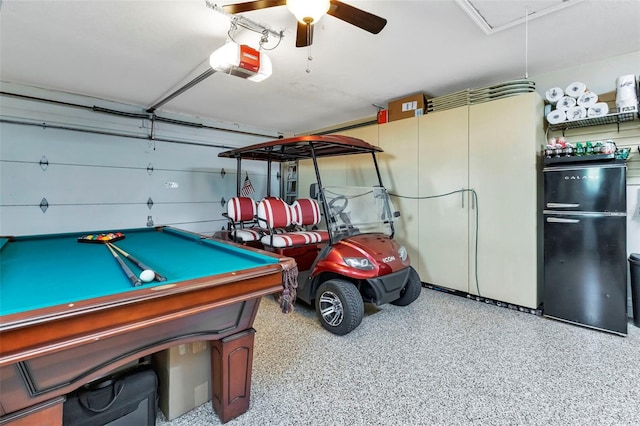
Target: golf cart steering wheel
336 208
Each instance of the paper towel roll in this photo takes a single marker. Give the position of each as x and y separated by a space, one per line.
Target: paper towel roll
575 89
587 99
626 97
627 105
554 94
577 112
565 103
556 116
626 84
599 109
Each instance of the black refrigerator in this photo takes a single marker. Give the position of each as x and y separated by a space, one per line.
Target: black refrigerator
585 264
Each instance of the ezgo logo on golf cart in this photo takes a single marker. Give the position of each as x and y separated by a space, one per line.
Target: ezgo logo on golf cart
388 259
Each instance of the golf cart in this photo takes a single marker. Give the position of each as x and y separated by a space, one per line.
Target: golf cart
341 237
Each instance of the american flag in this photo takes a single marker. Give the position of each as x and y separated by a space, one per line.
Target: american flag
247 187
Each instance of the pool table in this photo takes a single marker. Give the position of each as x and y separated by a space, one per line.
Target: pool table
70 315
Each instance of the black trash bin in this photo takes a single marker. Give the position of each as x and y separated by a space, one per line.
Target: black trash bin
634 266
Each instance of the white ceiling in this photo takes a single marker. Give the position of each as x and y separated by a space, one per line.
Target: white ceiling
139 51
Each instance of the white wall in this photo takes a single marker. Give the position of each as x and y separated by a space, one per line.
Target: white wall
600 76
94 180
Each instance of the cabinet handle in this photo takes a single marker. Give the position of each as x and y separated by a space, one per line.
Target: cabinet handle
560 205
562 220
462 194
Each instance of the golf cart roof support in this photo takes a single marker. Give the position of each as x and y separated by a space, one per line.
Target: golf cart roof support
269 178
319 181
239 177
375 163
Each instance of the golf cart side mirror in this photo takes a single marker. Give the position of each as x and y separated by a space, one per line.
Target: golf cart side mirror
313 190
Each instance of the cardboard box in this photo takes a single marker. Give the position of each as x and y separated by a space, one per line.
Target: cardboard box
610 99
409 106
184 378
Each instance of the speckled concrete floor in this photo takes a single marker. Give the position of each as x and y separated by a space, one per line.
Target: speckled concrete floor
444 360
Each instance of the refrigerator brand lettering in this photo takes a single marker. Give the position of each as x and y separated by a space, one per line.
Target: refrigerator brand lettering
582 177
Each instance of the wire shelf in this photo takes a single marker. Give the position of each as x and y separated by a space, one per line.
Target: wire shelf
595 121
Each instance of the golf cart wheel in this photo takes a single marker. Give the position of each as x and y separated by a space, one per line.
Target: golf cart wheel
339 306
411 290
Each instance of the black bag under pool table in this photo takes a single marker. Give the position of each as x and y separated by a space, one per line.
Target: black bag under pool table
128 399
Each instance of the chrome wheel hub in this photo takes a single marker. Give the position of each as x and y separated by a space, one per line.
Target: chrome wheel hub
331 308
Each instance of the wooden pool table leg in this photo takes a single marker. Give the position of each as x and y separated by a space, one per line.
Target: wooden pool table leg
231 364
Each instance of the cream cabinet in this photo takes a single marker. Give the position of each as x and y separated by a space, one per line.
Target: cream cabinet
490 150
359 168
399 171
505 140
443 168
353 170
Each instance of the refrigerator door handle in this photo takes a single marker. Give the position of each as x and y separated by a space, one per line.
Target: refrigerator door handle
562 220
565 205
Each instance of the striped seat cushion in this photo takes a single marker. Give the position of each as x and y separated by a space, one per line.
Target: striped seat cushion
246 235
291 239
241 209
306 212
274 213
241 212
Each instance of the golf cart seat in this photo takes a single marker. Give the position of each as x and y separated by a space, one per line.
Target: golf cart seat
274 214
306 212
241 212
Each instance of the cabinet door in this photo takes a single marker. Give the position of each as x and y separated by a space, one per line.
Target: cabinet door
354 170
504 142
444 228
360 169
399 169
366 133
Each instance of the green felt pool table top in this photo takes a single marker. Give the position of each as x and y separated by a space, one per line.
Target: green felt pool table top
42 271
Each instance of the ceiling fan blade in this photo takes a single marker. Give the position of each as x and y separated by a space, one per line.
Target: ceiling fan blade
304 35
365 20
252 5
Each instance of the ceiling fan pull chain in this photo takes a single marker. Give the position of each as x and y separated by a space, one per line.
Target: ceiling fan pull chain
309 57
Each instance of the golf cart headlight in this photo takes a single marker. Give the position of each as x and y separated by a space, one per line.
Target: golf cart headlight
402 252
358 263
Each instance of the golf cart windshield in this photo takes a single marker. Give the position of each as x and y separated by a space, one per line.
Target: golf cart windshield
358 210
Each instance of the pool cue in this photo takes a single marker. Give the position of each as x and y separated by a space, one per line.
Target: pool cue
132 277
137 262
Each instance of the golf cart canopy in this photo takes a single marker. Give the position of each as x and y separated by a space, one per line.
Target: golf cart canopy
301 148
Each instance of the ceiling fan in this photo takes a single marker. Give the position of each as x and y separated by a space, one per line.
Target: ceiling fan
309 11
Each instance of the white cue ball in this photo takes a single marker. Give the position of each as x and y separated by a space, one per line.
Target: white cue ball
147 276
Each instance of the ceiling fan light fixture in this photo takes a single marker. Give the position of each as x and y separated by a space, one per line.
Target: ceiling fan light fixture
308 11
241 61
